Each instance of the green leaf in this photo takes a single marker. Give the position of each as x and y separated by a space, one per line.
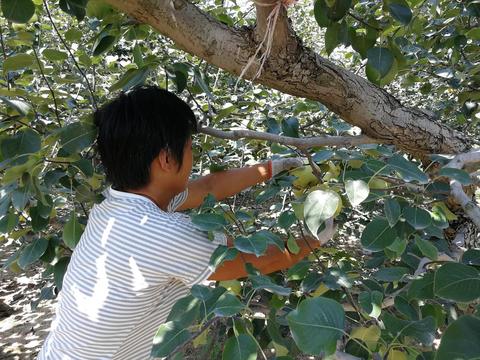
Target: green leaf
200 292
8 222
380 59
422 330
422 288
168 336
241 347
266 283
131 78
267 194
20 146
251 244
185 311
286 219
461 340
227 305
474 34
74 7
418 218
222 253
427 248
371 302
392 210
292 245
357 191
180 71
322 155
471 257
339 9
77 136
38 221
457 282
19 106
98 9
320 12
55 55
290 127
460 175
395 273
319 206
400 12
20 198
298 271
377 235
407 170
18 11
331 38
271 238
73 34
18 62
103 43
59 270
316 325
209 222
72 231
32 252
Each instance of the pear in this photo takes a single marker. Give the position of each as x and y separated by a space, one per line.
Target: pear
232 285
378 184
305 177
355 163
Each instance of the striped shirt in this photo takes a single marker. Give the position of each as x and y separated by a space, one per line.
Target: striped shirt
132 263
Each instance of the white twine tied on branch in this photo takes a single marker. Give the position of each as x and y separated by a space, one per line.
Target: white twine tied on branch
267 38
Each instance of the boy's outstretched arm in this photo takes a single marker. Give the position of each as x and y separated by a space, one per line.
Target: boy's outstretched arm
274 259
230 182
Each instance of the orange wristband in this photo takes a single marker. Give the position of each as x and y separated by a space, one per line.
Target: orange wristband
269 168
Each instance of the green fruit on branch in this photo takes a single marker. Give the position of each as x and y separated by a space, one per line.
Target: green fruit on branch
378 184
305 177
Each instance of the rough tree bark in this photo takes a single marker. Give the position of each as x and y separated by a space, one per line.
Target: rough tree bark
297 70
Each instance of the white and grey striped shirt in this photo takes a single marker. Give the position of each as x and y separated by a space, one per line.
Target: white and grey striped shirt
133 262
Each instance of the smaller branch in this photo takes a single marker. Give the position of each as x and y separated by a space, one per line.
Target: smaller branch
301 143
40 66
359 19
471 209
193 337
94 103
314 121
315 168
4 56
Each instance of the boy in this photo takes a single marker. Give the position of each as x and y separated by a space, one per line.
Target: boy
138 256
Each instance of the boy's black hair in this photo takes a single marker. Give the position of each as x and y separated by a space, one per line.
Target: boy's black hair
133 129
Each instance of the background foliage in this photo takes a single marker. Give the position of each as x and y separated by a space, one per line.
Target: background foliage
388 286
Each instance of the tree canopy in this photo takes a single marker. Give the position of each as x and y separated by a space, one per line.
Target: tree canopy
381 98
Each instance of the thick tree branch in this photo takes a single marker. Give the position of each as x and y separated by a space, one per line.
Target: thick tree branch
300 143
297 70
470 208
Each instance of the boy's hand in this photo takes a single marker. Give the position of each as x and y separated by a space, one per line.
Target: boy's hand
279 165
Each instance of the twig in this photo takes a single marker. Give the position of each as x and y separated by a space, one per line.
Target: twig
193 337
470 208
359 19
55 104
315 169
314 121
94 103
301 143
4 56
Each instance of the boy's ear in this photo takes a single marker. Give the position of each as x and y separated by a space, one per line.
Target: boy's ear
166 161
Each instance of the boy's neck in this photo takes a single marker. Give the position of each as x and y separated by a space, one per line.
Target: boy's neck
160 195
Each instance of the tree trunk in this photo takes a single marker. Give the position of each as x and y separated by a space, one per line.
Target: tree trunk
297 70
